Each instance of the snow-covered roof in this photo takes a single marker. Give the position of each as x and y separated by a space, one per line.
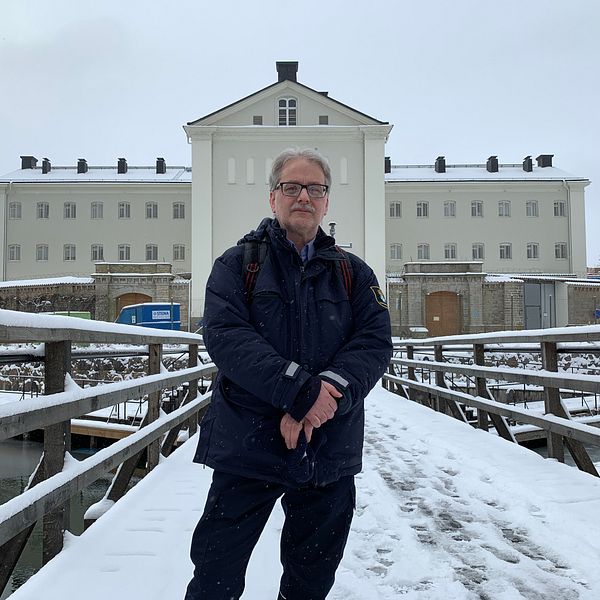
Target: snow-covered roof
67 279
478 172
99 175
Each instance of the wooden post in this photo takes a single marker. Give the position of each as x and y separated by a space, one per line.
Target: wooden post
410 354
154 365
57 441
552 400
440 403
193 388
481 386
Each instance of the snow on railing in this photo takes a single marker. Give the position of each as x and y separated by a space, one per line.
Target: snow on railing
464 371
58 477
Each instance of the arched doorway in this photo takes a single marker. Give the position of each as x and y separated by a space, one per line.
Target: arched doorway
442 310
132 298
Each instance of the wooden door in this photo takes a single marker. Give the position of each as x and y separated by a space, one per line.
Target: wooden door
133 298
442 311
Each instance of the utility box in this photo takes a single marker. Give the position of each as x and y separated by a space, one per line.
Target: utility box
161 315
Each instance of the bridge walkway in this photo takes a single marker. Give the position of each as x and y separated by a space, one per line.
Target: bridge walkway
444 511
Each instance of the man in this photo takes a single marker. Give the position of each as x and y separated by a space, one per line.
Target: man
299 342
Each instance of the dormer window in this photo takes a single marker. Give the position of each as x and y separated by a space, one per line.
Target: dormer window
288 108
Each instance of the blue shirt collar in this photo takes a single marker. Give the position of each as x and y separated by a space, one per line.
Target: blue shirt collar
307 252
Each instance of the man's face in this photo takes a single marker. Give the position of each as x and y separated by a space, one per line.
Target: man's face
300 216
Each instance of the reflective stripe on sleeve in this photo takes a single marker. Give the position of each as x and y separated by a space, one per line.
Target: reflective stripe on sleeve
292 370
335 377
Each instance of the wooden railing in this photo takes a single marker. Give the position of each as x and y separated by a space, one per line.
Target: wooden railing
54 483
469 356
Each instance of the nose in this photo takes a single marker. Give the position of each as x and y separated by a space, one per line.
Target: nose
304 197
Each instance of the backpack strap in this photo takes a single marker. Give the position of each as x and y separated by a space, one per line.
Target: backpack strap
344 269
255 252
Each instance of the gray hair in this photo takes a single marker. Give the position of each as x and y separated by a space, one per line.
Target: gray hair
292 154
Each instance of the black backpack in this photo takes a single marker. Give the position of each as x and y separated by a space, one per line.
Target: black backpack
255 252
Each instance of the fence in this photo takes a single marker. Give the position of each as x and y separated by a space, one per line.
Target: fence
54 482
411 370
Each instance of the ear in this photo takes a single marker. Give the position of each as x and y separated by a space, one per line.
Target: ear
272 201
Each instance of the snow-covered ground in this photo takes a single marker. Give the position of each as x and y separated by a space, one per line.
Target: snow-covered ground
444 511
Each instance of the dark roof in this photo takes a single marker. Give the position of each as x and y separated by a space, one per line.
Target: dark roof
295 83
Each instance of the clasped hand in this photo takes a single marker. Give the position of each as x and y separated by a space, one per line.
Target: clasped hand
320 412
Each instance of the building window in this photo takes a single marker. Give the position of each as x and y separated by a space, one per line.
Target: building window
423 252
506 251
69 252
477 208
151 252
531 208
560 208
450 208
533 250
478 251
178 252
395 251
14 252
97 210
423 209
97 252
323 119
70 210
41 252
42 210
124 252
450 251
288 108
560 250
504 208
151 210
395 210
14 210
124 210
257 120
178 210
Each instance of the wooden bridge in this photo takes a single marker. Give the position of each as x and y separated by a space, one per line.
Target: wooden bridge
465 377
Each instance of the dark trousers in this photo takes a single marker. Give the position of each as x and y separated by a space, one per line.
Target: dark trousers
317 522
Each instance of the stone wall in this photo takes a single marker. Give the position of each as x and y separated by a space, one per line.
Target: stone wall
583 300
49 298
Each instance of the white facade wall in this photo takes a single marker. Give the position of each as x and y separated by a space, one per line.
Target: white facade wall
491 230
231 161
110 231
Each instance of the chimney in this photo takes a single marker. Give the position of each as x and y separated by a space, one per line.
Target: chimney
440 164
161 166
82 166
46 166
544 160
527 164
492 164
286 71
387 165
28 162
121 166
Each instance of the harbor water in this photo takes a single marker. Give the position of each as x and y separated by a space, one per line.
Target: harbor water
18 460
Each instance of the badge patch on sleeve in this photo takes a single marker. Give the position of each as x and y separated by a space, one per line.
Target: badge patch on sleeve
379 296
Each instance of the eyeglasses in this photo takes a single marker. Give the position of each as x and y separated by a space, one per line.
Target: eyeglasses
293 190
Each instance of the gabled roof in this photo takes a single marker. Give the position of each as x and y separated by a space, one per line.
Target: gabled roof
285 83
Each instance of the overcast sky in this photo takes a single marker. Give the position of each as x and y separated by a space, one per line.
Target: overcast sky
460 78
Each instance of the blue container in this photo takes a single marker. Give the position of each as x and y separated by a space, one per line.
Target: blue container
161 315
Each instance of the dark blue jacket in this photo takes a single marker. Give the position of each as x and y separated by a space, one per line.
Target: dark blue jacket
300 324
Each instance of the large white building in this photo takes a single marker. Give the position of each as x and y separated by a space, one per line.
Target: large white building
525 218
